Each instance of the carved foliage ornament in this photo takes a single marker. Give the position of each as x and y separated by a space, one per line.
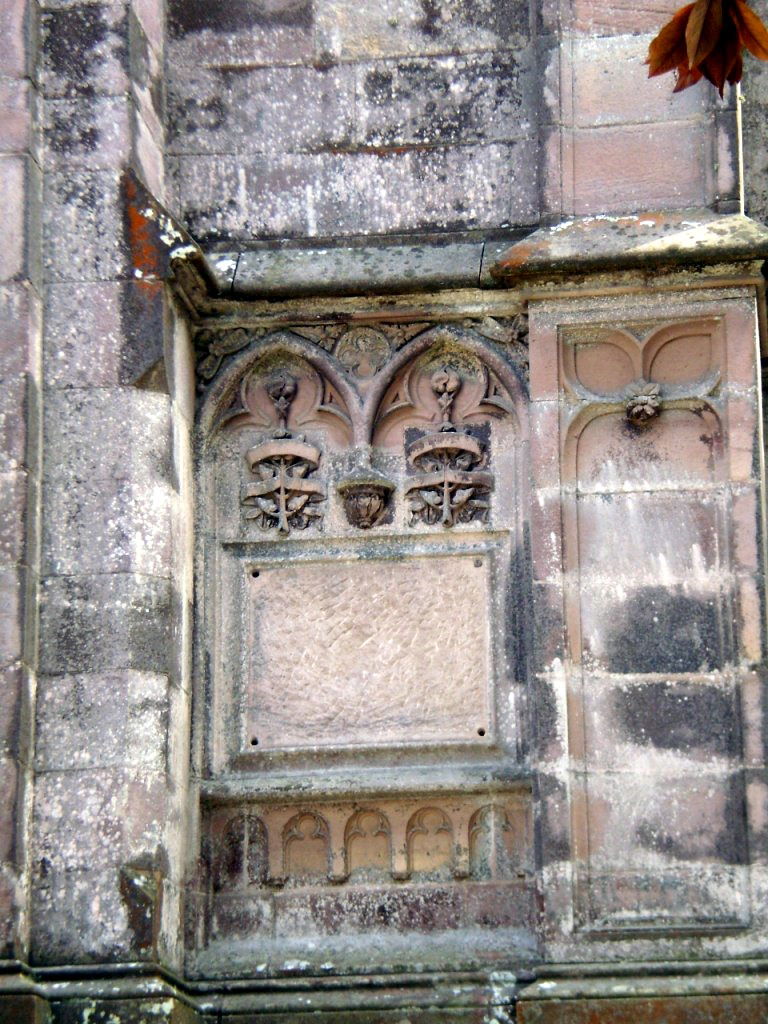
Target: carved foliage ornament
450 485
284 496
363 349
643 402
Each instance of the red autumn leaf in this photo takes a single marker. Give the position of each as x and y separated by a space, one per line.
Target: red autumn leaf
667 51
718 65
685 76
705 23
752 32
706 39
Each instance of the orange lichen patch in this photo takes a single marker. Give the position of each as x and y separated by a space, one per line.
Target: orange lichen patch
140 231
705 39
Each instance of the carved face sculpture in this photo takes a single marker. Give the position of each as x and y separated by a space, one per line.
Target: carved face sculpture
364 505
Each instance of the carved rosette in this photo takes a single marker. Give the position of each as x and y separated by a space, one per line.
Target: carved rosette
450 486
643 403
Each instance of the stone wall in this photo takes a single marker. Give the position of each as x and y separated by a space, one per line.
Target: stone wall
556 756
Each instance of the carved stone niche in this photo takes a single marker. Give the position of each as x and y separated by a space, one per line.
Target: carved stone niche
361 515
336 630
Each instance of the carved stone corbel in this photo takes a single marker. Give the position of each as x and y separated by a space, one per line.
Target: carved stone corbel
365 494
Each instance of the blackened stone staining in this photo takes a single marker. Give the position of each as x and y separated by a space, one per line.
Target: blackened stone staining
725 840
660 630
70 39
731 844
379 87
142 893
67 134
677 716
431 23
187 16
188 116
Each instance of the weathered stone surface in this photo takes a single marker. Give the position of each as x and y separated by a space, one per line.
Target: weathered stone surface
24 1009
108 526
105 622
357 270
84 50
102 333
14 197
125 814
755 139
479 98
411 27
131 1011
306 685
129 711
241 33
92 132
18 127
14 39
331 195
741 1009
262 110
83 226
133 428
13 504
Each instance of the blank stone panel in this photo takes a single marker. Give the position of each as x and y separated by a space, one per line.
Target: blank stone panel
371 652
679 449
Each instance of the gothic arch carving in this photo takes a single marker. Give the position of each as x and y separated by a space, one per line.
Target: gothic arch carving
429 839
220 403
367 843
451 342
306 847
241 853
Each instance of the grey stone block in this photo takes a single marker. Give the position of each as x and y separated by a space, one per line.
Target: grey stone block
147 75
447 100
329 195
102 334
13 586
358 270
14 425
19 325
83 226
92 132
65 929
11 689
132 428
240 33
102 623
13 204
13 510
84 50
264 110
112 720
347 30
103 818
106 526
17 113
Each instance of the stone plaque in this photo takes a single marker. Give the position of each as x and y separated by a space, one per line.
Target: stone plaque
369 652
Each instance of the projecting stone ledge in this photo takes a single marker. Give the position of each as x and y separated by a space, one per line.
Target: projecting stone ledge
600 243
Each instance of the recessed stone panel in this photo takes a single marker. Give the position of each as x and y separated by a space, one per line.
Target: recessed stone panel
369 652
